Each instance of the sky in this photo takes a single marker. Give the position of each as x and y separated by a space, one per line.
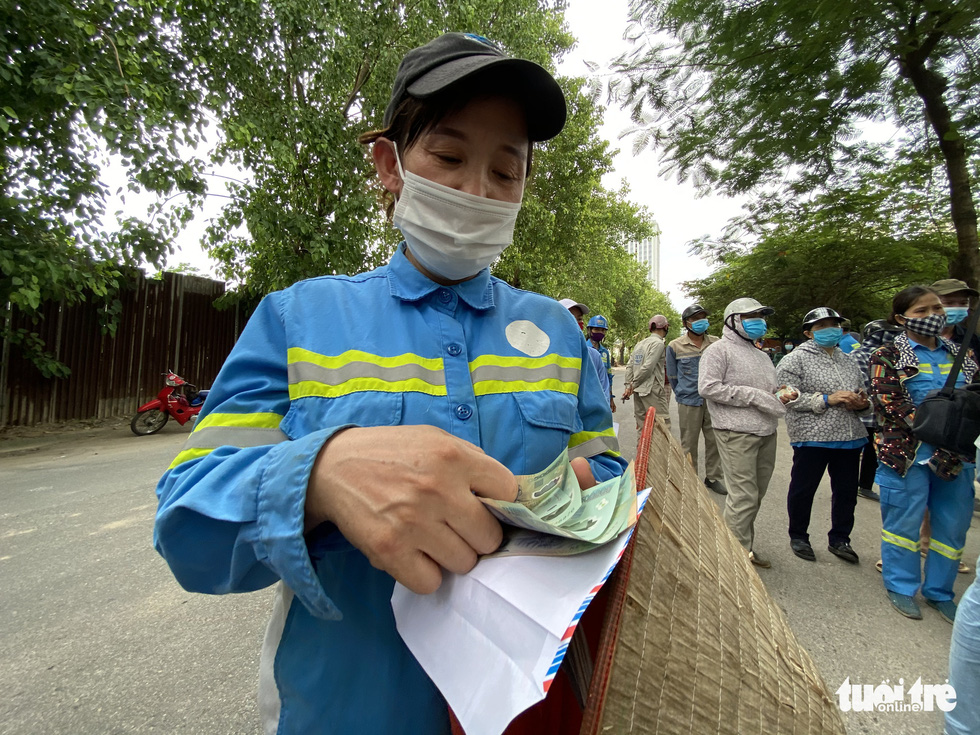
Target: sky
599 26
683 215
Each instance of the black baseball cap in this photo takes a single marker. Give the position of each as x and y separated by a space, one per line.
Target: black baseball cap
451 58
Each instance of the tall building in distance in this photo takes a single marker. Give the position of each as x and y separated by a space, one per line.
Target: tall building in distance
647 252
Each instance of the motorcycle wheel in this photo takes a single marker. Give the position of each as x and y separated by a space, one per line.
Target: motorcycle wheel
148 422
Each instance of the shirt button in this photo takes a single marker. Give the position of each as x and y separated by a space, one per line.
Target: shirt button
445 296
454 349
463 411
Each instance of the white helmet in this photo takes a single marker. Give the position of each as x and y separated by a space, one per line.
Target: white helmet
747 306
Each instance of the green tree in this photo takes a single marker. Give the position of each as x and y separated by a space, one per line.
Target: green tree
750 93
572 233
293 84
79 81
851 248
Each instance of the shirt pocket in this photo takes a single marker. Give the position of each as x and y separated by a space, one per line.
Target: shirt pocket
548 421
688 367
369 408
326 545
891 487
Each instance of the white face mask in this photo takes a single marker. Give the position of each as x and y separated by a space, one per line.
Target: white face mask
452 234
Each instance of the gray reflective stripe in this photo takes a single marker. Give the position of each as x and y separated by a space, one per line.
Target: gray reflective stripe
306 371
212 437
528 375
594 447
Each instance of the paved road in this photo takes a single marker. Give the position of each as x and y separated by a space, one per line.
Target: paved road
96 637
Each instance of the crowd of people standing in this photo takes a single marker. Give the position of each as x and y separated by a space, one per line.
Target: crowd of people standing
849 406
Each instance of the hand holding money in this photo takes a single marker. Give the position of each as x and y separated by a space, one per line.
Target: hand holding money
553 502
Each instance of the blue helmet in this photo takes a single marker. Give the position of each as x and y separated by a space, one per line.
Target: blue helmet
599 321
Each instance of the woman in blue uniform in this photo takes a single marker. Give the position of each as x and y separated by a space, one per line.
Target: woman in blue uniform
912 474
333 464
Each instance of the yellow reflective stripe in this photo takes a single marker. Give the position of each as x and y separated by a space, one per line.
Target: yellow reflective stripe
526 362
593 443
230 429
187 455
901 541
488 387
249 420
298 354
948 551
925 367
583 436
308 388
497 385
355 371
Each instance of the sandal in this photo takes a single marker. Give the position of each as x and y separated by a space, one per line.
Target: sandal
878 565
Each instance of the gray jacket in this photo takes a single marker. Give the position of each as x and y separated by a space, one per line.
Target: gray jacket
646 369
814 373
737 380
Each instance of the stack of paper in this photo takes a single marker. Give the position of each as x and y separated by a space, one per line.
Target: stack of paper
492 640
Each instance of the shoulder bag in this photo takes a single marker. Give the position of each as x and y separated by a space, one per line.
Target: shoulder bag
950 417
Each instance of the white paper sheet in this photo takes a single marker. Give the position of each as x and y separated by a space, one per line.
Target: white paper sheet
492 640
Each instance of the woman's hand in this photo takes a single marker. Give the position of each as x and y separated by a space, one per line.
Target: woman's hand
841 397
785 394
849 399
406 497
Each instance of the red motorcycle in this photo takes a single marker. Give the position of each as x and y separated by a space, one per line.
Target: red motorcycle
178 398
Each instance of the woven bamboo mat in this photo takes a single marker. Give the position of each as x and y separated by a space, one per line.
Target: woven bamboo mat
701 647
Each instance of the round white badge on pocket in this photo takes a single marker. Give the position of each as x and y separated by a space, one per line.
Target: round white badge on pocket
527 337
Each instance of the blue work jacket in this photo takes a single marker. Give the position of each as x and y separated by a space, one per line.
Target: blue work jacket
499 367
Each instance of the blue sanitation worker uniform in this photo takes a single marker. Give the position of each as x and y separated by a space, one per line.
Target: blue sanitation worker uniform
928 481
600 321
496 366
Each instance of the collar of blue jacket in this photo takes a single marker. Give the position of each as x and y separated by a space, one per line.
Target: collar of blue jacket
410 284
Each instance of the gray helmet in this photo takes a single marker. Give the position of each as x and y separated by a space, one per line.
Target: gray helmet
747 306
821 312
691 311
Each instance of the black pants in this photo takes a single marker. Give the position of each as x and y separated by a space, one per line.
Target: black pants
869 463
809 464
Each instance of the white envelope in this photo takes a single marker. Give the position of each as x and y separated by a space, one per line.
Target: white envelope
492 640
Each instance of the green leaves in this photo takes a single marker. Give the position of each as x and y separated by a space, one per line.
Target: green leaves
871 234
750 95
78 81
296 82
290 84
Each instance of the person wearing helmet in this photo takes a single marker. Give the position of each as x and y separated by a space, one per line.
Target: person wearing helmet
597 328
579 311
958 300
646 375
874 335
333 463
683 357
825 432
738 383
913 475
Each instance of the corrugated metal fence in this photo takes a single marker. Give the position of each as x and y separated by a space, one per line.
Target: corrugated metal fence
169 323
